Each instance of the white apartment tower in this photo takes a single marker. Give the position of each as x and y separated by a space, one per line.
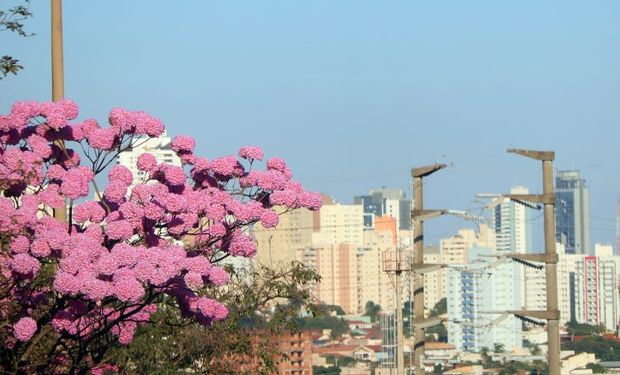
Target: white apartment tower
160 147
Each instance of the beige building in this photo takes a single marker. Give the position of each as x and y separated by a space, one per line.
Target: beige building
351 275
278 246
340 224
454 249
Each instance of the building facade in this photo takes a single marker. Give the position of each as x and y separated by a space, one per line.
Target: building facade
596 291
477 294
572 206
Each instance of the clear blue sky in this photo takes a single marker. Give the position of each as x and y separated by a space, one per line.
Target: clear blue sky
354 93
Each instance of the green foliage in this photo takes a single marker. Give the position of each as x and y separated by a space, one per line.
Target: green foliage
321 370
337 325
12 20
604 349
535 350
263 303
372 310
596 368
329 309
498 348
440 308
582 329
513 367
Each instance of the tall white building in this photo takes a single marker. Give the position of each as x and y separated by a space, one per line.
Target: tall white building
160 147
513 234
596 291
476 295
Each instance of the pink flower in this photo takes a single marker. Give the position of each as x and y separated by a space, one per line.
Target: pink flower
218 276
121 173
146 162
183 143
24 329
269 218
120 118
276 164
115 191
225 166
251 153
103 139
51 197
193 280
286 198
311 201
174 175
75 182
40 248
19 245
88 211
147 124
128 289
86 128
242 245
24 265
69 109
40 146
119 230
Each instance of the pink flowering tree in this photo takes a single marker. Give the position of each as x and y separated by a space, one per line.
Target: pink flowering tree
69 289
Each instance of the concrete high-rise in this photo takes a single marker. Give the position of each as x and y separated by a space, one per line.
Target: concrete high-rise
474 292
572 211
596 291
513 234
512 224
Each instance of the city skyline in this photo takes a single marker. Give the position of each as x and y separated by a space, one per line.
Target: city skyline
372 94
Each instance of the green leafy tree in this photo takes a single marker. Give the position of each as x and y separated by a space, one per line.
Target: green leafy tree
338 326
597 368
372 310
440 308
321 370
582 329
498 348
535 350
263 304
12 20
603 348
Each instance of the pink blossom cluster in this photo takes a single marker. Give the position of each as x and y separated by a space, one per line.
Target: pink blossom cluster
120 254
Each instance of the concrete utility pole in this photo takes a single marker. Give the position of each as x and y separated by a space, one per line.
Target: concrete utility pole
58 80
550 257
418 215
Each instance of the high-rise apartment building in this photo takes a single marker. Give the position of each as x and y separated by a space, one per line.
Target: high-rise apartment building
513 234
160 147
339 224
277 247
351 275
512 224
476 291
572 210
385 202
596 291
